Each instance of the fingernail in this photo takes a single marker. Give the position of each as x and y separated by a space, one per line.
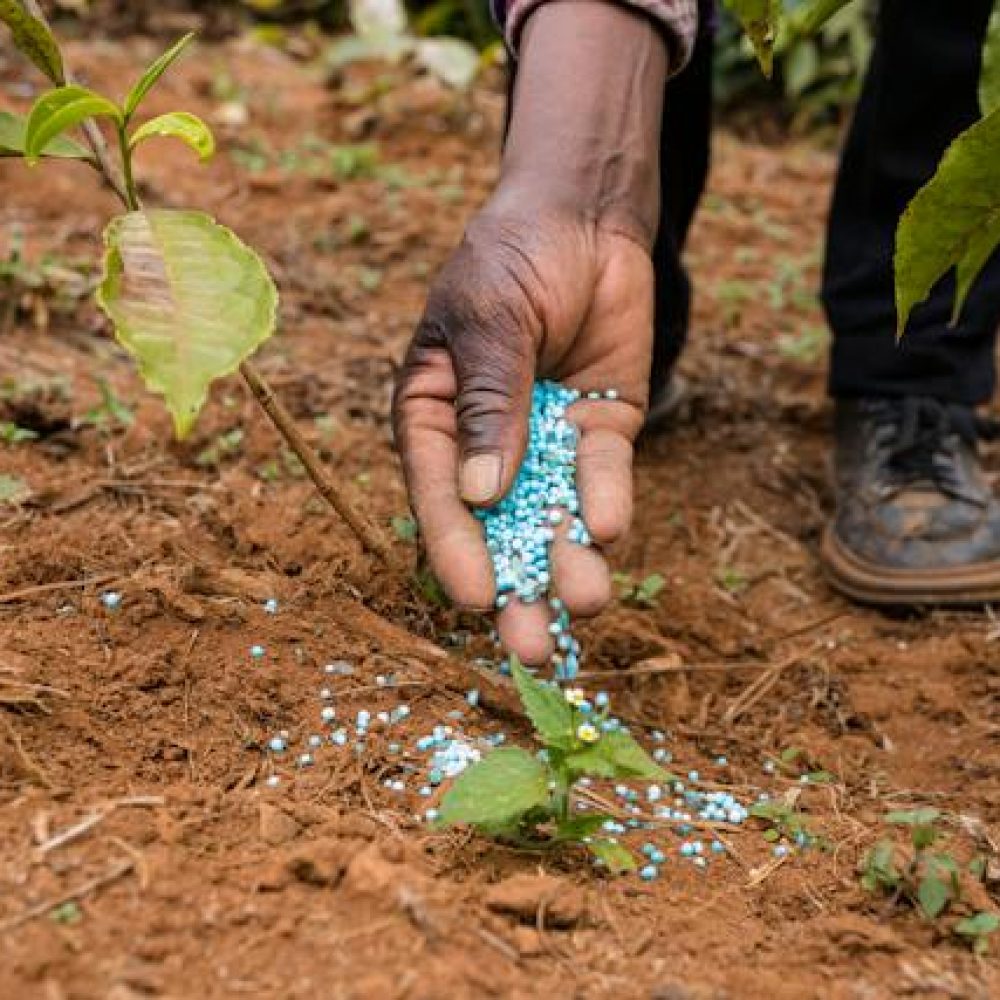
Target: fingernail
480 477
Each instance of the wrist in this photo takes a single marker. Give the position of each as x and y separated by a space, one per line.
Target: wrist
584 134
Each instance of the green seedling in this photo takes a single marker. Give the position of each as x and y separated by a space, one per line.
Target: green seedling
644 594
13 489
977 930
110 412
187 299
925 878
527 799
11 433
785 823
226 445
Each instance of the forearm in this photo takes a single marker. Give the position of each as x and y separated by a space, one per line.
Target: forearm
586 115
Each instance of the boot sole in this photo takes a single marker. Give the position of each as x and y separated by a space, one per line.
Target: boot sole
869 583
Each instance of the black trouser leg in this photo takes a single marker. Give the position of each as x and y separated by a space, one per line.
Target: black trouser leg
920 92
684 156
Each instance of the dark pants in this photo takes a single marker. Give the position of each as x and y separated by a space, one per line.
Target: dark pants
920 92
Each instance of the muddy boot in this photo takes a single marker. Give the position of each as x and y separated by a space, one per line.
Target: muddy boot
916 522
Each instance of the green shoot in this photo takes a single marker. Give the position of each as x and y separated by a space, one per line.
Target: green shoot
528 800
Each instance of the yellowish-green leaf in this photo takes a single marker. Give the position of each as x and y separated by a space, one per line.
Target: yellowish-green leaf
502 787
148 79
187 299
12 130
60 110
33 38
178 125
989 79
617 858
952 221
761 20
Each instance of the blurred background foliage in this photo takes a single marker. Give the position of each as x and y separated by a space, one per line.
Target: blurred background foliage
816 78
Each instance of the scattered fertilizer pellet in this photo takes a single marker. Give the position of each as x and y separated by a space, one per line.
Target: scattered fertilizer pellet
328 714
271 605
648 872
273 781
277 745
111 599
305 759
257 652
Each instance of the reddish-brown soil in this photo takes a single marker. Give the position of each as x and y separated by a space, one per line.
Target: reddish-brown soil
196 879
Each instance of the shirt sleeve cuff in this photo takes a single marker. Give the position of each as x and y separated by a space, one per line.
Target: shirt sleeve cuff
677 18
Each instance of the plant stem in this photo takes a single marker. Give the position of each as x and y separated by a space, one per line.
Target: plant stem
370 537
131 194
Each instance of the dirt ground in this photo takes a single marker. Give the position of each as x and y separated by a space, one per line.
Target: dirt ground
144 854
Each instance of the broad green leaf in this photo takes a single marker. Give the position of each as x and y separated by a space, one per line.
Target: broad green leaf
933 896
914 817
591 761
188 299
989 78
881 860
451 60
501 787
148 79
578 827
12 130
546 707
617 858
178 125
33 38
952 221
60 110
761 20
628 759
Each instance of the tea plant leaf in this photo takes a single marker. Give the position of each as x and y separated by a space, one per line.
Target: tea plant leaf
989 78
617 858
188 299
545 706
952 221
60 110
148 79
12 130
178 125
628 759
33 38
761 20
501 787
933 896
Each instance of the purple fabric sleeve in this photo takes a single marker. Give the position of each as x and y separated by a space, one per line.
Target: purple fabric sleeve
679 19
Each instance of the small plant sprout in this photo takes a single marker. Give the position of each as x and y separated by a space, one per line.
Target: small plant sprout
642 594
528 800
186 297
928 879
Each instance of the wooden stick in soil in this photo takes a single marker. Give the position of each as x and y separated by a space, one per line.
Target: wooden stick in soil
367 534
